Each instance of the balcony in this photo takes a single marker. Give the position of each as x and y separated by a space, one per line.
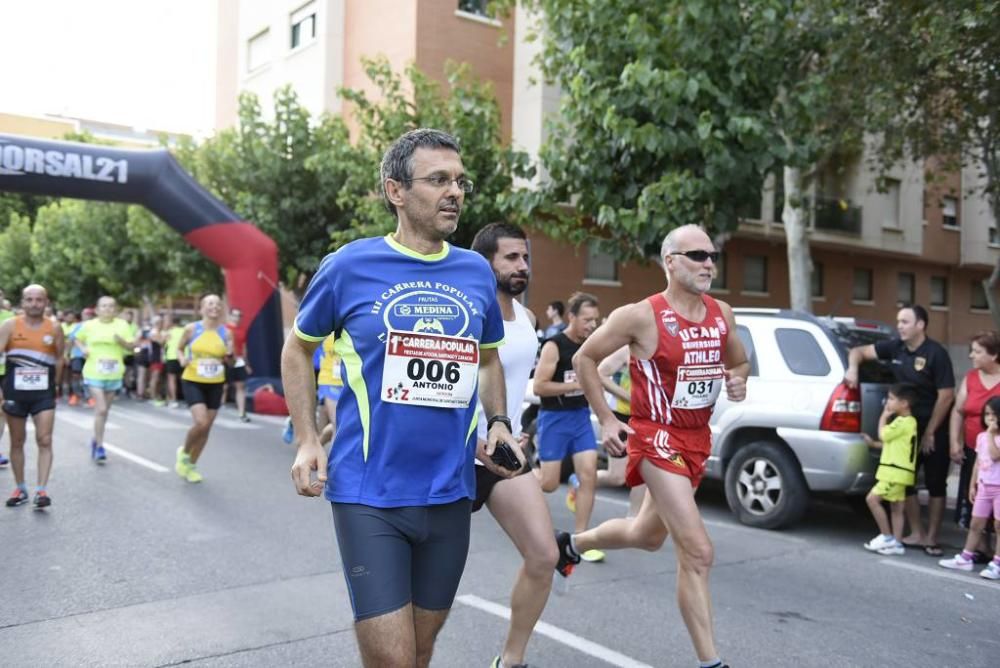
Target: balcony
837 215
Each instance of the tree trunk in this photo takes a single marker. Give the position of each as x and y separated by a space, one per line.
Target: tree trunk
797 236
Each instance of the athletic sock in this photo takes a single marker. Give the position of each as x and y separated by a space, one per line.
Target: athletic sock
711 663
996 560
572 545
968 556
23 487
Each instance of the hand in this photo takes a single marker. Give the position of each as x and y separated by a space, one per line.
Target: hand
869 441
851 377
927 443
972 491
310 457
957 453
611 431
991 425
736 386
499 433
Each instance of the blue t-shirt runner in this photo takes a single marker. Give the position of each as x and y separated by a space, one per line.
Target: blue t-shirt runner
409 328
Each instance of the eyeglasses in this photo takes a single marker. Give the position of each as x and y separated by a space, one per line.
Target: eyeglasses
442 181
699 255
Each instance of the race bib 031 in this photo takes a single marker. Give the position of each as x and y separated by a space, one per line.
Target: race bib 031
697 386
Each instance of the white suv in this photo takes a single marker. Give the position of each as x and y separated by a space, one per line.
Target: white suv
799 429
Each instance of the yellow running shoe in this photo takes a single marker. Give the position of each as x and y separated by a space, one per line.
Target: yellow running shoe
194 476
183 464
592 556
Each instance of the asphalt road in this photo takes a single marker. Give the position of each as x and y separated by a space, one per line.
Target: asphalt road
131 566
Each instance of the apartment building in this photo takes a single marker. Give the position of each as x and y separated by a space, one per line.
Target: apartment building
872 248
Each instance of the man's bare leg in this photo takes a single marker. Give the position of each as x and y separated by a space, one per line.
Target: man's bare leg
520 509
675 504
388 640
645 531
585 466
916 535
18 434
548 475
427 624
44 423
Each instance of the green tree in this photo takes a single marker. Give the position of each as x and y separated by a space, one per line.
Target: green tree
465 107
16 268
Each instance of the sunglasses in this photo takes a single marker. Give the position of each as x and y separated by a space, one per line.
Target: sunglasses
699 255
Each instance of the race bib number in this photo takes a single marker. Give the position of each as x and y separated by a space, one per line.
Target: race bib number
430 369
697 386
209 368
569 376
240 362
108 367
31 380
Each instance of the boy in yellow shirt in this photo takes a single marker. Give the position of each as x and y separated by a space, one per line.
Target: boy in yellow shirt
896 469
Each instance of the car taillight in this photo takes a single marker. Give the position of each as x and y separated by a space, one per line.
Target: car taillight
843 411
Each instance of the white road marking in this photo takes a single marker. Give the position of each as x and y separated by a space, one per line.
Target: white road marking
571 640
229 423
141 461
970 579
147 419
718 523
82 421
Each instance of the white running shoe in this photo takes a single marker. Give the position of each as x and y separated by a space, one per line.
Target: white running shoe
991 572
879 542
957 563
895 549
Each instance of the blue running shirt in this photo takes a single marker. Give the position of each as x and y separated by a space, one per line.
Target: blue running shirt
409 328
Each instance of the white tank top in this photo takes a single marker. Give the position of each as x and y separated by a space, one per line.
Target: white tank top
517 354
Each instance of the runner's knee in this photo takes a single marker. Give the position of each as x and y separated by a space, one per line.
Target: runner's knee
696 554
541 559
549 485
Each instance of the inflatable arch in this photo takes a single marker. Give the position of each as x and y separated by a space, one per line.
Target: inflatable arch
152 178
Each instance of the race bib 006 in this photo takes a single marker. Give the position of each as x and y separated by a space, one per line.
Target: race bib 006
430 369
31 379
697 386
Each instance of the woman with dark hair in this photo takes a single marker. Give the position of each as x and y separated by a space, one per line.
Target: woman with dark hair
981 383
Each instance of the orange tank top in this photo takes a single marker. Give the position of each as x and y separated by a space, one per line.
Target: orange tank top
32 346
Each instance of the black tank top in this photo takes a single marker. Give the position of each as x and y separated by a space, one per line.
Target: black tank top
564 374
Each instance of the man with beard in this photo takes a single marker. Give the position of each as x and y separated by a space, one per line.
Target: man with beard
33 345
418 336
516 503
564 427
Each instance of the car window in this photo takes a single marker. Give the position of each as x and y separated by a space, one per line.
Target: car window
744 334
801 352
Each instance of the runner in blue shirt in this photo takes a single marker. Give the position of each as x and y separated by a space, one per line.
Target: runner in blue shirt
417 326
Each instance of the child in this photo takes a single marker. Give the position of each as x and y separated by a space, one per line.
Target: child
896 468
984 492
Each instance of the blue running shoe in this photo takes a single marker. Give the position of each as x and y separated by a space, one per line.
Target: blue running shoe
288 435
3 461
97 452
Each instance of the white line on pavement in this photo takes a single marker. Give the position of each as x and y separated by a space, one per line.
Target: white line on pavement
972 579
718 523
571 640
147 419
141 461
81 420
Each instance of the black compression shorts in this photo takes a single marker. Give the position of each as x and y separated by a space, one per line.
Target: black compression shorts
209 394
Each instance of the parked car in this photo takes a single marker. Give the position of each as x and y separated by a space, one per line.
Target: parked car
799 429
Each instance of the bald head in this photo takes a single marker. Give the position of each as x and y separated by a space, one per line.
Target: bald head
34 299
685 237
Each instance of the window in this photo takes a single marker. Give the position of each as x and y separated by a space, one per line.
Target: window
939 291
892 203
994 237
744 333
816 280
906 289
719 282
474 7
802 354
977 296
600 265
862 285
949 212
303 25
755 273
258 50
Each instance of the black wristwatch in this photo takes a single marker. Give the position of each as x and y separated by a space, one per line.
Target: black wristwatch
499 418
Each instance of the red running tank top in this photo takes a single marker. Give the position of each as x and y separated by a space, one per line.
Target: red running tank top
679 384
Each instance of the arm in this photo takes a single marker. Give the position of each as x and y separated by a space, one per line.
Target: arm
855 357
543 384
974 482
610 337
737 364
493 396
182 357
955 437
945 396
5 329
994 449
611 365
60 350
300 395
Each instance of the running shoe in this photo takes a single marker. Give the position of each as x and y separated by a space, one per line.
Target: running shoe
895 549
42 500
592 556
244 418
991 572
73 400
97 452
3 461
159 403
498 663
288 435
574 484
879 542
91 403
957 563
18 497
192 473
174 404
183 464
568 558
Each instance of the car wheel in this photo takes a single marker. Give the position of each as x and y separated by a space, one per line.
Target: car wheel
765 487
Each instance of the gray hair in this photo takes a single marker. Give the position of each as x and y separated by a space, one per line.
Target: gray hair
397 163
670 241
